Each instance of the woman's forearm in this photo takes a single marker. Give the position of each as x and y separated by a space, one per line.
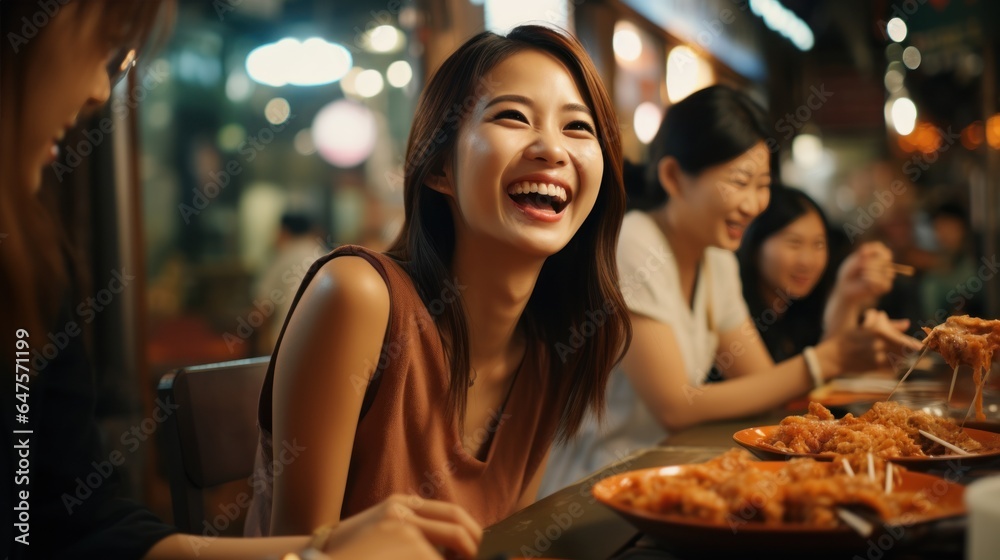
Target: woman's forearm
740 396
841 314
224 548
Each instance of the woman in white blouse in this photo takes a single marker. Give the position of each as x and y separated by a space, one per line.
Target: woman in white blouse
710 176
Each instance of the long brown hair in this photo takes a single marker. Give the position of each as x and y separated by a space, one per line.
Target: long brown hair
577 285
33 276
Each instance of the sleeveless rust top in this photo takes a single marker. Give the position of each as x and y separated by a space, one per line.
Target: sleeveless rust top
406 441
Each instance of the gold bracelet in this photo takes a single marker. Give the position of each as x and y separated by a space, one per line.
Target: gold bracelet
315 548
320 538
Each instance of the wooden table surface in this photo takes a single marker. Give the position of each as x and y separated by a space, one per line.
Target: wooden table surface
571 523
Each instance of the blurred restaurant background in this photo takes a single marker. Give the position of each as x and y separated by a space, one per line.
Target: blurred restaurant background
265 132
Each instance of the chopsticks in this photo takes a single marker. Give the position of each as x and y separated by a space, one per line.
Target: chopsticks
903 269
950 446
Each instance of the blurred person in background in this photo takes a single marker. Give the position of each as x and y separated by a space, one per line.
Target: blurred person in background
946 289
297 246
709 177
894 225
49 77
795 290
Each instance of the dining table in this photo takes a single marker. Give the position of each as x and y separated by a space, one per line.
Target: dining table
573 524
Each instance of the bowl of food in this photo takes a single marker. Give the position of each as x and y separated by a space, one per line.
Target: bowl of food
735 503
915 439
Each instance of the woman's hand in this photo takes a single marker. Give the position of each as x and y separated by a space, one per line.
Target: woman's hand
385 540
865 275
441 524
878 343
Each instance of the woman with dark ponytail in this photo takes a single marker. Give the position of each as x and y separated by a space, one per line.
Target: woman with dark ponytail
709 176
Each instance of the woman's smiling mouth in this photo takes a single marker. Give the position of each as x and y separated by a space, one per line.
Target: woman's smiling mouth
540 200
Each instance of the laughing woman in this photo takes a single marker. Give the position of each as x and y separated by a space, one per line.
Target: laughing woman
711 169
429 370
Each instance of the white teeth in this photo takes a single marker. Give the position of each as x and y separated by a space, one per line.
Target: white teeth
546 189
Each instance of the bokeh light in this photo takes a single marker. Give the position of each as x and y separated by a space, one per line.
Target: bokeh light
344 133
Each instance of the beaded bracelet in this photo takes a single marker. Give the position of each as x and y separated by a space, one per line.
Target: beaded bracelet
812 364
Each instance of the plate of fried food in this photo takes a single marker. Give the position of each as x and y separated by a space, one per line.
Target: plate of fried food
889 430
736 503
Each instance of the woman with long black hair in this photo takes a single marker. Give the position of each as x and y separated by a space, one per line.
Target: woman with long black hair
709 176
435 369
796 293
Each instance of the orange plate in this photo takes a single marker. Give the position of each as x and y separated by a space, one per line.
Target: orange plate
680 532
753 439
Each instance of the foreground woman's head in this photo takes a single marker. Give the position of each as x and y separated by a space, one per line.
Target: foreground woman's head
58 61
502 117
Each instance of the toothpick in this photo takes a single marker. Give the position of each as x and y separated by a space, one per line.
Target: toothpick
847 466
857 523
909 371
888 477
871 466
950 446
976 397
954 376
